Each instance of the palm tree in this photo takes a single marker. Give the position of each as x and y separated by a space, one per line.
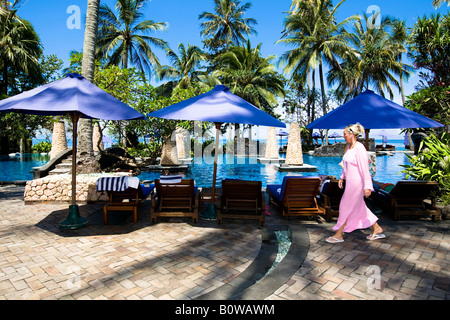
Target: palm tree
251 76
20 46
438 3
429 49
227 25
399 38
85 145
184 67
312 30
124 39
375 63
7 6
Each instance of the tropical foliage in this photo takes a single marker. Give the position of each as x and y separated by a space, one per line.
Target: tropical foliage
437 3
250 76
374 64
227 25
42 147
123 37
432 102
350 55
317 38
430 45
185 68
22 67
432 164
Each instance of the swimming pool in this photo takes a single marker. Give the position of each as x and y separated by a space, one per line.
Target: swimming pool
248 168
388 168
17 168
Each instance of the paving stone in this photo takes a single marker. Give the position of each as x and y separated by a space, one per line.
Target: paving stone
176 259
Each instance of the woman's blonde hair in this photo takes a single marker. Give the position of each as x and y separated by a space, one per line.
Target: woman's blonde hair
356 129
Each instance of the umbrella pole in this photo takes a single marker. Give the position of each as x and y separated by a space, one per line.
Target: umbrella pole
210 213
367 138
74 220
216 155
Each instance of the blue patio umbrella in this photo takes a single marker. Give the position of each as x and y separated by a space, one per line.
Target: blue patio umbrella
282 133
76 97
372 111
218 105
316 135
335 135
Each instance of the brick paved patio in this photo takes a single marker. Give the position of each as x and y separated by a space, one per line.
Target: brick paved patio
175 259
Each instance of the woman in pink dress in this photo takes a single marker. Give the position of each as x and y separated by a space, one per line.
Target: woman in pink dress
353 212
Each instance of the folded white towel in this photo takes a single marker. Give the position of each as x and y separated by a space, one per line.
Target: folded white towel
170 179
117 183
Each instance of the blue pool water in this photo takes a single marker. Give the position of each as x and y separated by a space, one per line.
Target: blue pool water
18 167
388 168
248 168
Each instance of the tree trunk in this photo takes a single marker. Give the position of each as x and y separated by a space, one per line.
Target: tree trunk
313 96
402 91
87 70
324 96
5 78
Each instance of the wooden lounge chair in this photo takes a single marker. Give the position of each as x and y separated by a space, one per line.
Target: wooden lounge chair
241 200
330 198
296 196
128 200
175 200
408 197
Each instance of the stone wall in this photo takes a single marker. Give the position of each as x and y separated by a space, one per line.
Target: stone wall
58 189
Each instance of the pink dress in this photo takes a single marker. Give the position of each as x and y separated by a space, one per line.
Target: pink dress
357 177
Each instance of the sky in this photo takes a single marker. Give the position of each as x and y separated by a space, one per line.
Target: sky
56 22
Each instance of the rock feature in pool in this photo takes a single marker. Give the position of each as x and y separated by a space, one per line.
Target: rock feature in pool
294 153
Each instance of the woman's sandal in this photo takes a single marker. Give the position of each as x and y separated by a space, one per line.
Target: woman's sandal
333 240
376 236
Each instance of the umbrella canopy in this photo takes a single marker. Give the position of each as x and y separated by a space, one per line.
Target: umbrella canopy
335 135
282 133
372 111
76 97
218 105
105 139
72 94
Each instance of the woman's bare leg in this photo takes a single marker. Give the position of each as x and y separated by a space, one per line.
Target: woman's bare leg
339 233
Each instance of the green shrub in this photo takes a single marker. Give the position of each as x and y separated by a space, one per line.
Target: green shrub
432 164
42 147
